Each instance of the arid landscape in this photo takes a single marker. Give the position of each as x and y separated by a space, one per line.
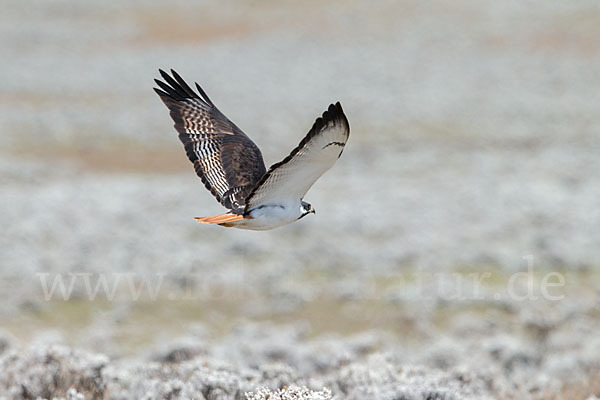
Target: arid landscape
455 253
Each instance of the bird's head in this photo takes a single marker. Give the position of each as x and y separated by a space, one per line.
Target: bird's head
305 209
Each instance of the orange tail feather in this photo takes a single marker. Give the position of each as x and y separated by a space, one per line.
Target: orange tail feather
220 219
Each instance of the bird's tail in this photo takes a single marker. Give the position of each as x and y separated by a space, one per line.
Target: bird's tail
223 219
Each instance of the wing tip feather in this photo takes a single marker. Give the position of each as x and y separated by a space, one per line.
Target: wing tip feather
334 114
176 88
160 92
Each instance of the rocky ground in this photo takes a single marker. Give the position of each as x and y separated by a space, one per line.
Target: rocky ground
455 253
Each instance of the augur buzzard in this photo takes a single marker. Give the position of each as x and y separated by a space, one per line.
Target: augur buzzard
231 165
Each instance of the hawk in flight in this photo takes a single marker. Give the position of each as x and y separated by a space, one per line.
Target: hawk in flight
231 165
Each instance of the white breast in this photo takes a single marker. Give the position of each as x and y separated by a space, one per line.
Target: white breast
271 216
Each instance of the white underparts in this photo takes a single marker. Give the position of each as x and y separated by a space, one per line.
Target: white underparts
269 216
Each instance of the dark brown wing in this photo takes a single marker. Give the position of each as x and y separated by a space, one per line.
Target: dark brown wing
226 160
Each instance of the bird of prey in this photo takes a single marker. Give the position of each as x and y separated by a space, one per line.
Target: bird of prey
231 166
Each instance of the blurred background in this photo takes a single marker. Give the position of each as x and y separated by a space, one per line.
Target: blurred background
457 241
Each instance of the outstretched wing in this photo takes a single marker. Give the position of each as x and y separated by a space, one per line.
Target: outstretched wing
291 178
226 160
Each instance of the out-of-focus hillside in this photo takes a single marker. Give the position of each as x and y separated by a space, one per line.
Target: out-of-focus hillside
473 158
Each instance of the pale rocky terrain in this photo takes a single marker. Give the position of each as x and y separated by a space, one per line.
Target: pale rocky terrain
455 253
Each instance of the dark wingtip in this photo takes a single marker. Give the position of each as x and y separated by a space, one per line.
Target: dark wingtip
204 95
334 113
177 77
159 83
175 87
164 74
178 89
160 92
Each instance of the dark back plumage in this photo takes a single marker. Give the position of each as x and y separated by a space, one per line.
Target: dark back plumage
228 162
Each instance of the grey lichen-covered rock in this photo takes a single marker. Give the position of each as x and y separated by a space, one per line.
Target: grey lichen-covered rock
378 378
289 393
196 379
52 371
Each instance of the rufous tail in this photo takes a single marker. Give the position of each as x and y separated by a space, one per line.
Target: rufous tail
220 219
